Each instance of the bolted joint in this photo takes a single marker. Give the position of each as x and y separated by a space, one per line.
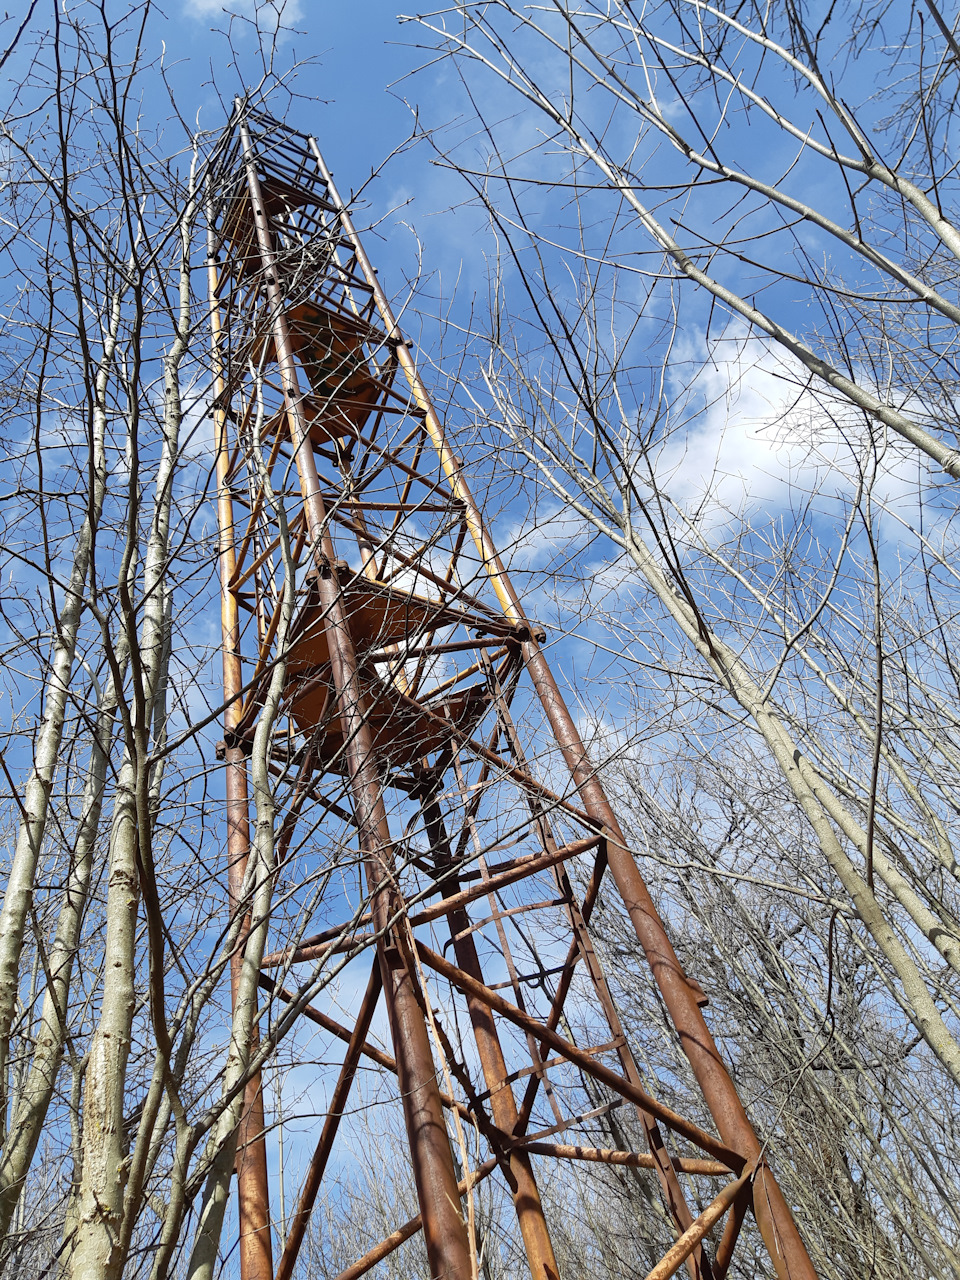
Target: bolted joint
326 569
231 741
527 630
394 957
703 1000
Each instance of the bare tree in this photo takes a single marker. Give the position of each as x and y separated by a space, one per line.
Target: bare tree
701 215
786 747
114 937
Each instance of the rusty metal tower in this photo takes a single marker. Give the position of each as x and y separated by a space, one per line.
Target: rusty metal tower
411 727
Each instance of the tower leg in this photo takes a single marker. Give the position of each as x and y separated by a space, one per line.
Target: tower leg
781 1237
523 1184
784 1244
444 1231
253 1196
520 1175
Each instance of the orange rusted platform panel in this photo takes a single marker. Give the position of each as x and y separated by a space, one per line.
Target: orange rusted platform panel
377 616
239 227
329 347
402 732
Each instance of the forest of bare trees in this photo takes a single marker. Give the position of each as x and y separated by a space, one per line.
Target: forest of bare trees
707 387
761 198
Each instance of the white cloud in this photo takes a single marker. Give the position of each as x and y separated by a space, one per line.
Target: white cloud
749 438
270 14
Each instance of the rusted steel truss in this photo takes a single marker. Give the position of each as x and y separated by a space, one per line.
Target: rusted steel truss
434 802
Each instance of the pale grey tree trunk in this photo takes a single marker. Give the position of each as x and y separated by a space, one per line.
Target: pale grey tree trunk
50 1041
18 894
99 1244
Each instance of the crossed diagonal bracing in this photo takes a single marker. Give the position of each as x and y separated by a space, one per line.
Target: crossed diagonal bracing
377 657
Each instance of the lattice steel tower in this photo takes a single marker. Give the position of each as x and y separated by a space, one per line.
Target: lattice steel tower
379 666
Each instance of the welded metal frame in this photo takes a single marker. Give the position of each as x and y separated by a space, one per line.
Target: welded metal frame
315 384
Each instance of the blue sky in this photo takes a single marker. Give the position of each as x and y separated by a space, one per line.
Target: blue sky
351 63
356 59
353 85
355 70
